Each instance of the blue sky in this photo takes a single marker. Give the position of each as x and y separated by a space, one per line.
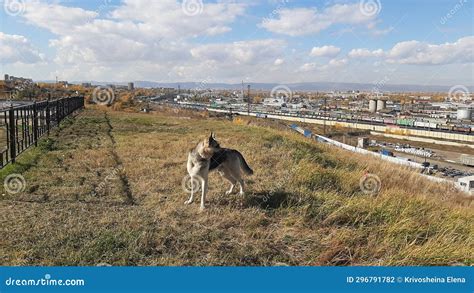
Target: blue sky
369 41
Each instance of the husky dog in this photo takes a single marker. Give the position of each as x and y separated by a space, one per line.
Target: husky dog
208 156
199 159
229 163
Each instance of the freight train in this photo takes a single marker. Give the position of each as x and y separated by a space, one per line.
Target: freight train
448 126
340 116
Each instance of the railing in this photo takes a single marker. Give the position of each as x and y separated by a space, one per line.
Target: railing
22 126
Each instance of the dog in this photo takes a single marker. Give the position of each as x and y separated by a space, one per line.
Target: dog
208 156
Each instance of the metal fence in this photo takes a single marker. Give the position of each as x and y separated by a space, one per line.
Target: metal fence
22 126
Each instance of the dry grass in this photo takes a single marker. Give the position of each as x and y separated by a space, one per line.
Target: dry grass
303 205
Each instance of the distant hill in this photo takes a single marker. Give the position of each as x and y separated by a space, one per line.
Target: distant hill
303 86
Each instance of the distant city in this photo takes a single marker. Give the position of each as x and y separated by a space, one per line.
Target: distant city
447 111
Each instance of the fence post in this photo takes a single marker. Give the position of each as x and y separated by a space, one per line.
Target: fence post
58 118
48 115
35 124
11 118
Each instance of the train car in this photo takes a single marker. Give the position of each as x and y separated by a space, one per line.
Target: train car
405 122
425 124
334 114
347 117
421 124
445 127
433 125
462 128
389 121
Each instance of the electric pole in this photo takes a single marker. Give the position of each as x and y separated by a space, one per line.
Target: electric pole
325 109
248 100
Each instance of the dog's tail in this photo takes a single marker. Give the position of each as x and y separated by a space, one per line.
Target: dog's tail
243 164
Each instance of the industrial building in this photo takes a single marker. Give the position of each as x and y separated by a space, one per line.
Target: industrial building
466 184
13 79
373 106
464 113
377 105
381 105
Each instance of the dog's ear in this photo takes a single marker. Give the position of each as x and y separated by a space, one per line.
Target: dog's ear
213 135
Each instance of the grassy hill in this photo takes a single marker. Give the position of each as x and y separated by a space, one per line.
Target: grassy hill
106 188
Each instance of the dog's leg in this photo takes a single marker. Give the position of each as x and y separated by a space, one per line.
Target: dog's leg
226 174
231 189
191 198
236 176
204 191
241 184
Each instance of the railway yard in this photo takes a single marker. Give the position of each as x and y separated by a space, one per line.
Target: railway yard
439 160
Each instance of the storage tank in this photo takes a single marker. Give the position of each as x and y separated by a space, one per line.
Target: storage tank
373 106
381 104
464 113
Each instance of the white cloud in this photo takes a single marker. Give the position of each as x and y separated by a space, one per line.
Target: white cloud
415 52
278 61
304 21
382 32
155 31
307 67
420 53
332 64
56 18
167 18
364 53
155 40
244 52
16 48
338 62
325 51
243 60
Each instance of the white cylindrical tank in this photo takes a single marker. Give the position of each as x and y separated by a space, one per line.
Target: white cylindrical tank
464 113
373 106
381 104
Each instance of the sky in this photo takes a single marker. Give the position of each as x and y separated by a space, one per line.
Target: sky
426 42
